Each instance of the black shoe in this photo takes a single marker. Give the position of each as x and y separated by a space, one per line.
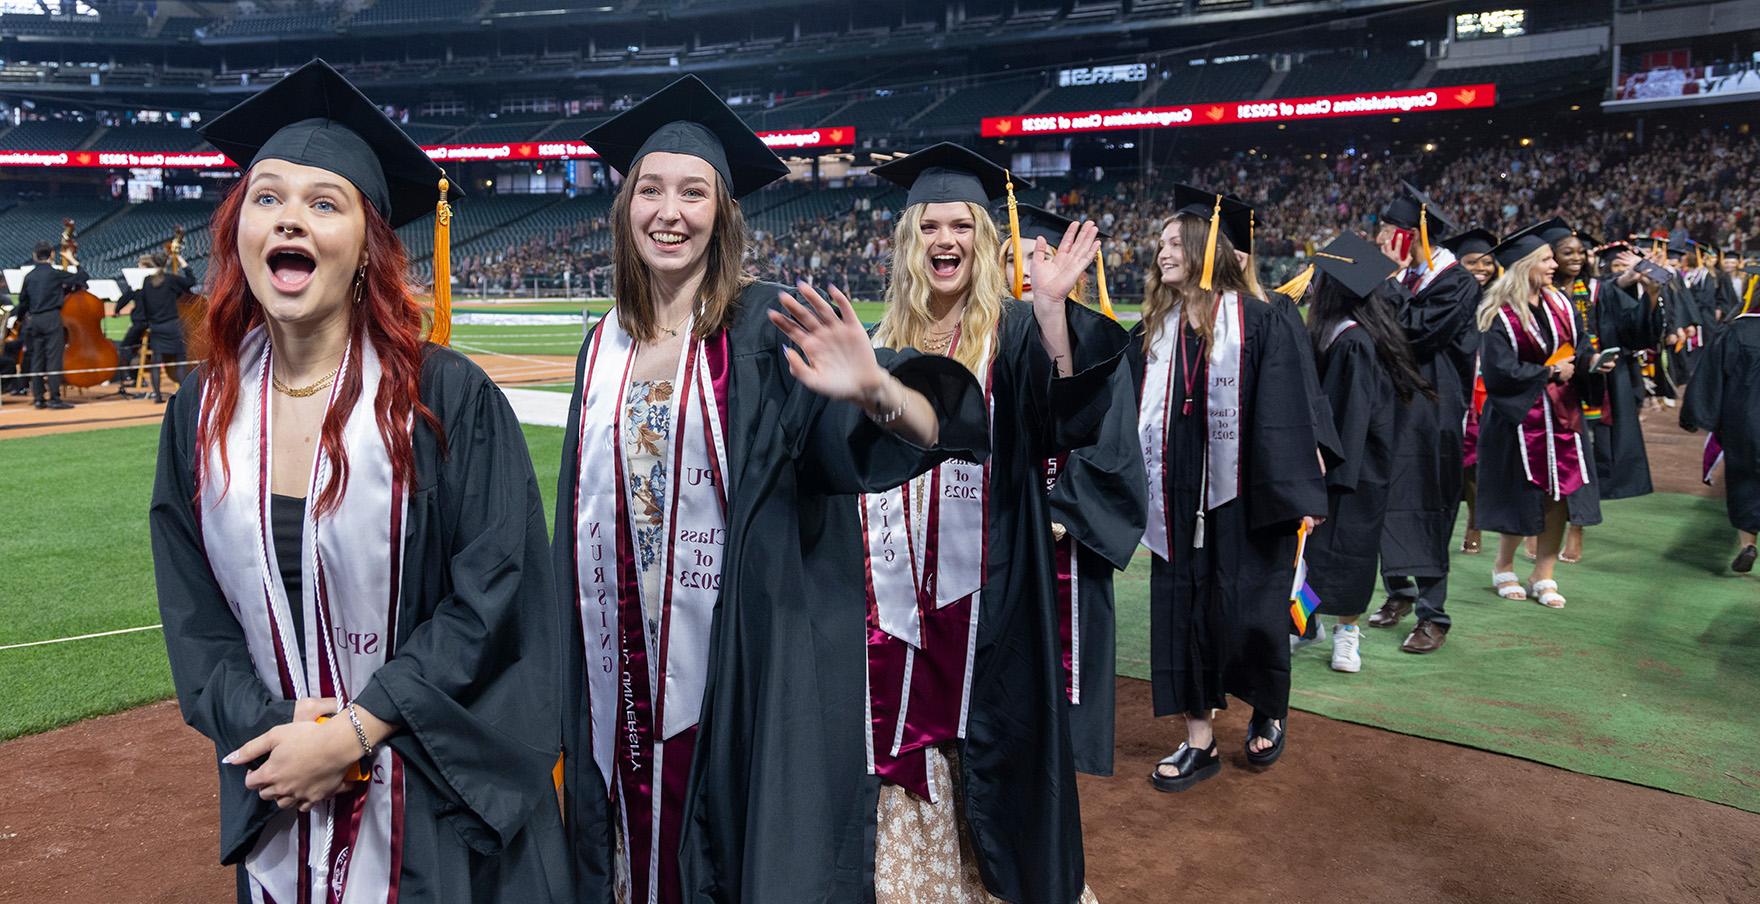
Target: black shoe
1744 562
1194 766
157 399
1265 727
58 405
39 404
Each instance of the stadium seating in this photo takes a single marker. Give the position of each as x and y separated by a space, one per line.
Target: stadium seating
795 114
1213 82
147 138
1088 97
46 135
1353 70
40 221
964 107
882 112
394 12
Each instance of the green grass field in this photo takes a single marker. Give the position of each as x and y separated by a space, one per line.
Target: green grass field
1648 676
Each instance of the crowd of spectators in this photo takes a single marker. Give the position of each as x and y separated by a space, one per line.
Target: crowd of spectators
1699 185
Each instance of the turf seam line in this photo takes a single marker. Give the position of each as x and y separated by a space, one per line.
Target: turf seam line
40 643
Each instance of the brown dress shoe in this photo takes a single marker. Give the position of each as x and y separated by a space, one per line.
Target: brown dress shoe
1427 637
1391 612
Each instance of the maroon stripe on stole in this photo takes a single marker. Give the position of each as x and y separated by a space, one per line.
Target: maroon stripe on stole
886 661
674 780
715 355
328 677
396 827
305 858
347 831
676 478
1065 586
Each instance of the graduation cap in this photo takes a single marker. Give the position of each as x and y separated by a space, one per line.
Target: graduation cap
1355 263
1557 230
1611 250
1523 243
1473 241
1412 209
686 117
315 117
1229 216
949 172
1036 222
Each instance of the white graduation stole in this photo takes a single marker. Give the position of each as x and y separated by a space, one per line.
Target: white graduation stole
1222 405
897 539
693 543
345 849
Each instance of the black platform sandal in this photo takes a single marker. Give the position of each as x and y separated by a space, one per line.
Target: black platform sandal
1194 766
1260 727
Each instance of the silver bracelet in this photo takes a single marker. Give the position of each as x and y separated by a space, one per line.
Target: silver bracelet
888 417
360 734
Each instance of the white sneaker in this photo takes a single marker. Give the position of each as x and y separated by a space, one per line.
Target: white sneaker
1345 639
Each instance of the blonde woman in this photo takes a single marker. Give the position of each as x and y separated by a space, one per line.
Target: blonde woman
967 732
1533 447
1230 452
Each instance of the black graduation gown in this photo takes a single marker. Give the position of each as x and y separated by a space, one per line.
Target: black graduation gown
1621 318
1508 503
1020 792
1099 499
1681 309
1425 493
469 681
1219 615
1319 407
780 806
1342 552
1725 399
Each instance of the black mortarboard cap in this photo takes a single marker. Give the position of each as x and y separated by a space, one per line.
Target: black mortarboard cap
1611 250
686 117
1557 230
948 172
315 117
1037 222
1473 241
1405 209
1355 262
1678 248
1237 217
1521 244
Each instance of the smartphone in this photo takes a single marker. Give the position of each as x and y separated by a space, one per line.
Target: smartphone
1654 271
1606 355
1402 243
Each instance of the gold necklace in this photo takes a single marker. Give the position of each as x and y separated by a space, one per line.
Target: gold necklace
300 392
937 344
673 330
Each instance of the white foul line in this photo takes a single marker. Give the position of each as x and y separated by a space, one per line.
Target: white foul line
39 643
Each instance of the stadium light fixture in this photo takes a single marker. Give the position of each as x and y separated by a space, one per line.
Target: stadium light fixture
1527 141
1429 146
1396 119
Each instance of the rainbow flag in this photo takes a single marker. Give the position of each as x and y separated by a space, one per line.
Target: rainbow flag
1303 601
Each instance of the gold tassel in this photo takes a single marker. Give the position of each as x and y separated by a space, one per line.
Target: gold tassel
1748 299
1019 284
441 331
1298 284
1252 230
1106 298
1424 238
1205 282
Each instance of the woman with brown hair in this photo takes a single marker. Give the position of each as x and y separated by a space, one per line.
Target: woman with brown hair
1230 454
703 551
349 543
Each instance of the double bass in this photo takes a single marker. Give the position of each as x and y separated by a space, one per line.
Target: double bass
91 356
192 309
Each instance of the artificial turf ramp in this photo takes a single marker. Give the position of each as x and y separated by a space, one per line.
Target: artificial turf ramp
78 561
1649 675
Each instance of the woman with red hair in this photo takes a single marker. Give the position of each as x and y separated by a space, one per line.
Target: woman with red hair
349 543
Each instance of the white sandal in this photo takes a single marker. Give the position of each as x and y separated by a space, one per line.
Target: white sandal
1546 594
1508 585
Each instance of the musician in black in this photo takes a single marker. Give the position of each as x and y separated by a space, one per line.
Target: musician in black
137 325
45 338
157 298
